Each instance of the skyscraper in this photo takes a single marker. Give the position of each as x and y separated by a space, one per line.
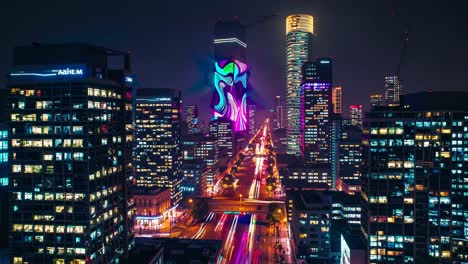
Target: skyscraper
355 112
415 189
376 100
337 99
279 116
393 90
350 159
207 150
221 130
316 111
299 34
231 74
192 118
157 149
72 131
251 110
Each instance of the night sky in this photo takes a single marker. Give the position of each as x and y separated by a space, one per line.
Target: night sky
171 41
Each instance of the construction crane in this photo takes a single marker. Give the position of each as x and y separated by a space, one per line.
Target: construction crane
261 20
404 44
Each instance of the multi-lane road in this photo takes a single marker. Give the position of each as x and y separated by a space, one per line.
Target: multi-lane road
238 216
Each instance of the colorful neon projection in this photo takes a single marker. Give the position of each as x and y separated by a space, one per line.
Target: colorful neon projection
230 100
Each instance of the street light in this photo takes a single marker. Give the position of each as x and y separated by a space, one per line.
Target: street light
240 201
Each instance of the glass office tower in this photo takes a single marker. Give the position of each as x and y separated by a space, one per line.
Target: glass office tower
70 142
157 149
299 34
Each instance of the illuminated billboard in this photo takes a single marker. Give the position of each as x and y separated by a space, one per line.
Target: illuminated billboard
230 96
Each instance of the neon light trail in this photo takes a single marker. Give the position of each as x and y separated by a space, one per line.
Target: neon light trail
230 98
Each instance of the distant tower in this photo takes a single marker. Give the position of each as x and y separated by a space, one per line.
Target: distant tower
376 100
337 99
192 118
393 90
356 115
251 110
221 130
231 74
299 34
279 118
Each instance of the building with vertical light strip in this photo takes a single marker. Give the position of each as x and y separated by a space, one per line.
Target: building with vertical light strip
279 113
71 136
415 189
191 118
393 90
355 112
337 100
299 35
157 149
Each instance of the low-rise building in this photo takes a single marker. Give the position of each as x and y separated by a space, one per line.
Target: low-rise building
152 206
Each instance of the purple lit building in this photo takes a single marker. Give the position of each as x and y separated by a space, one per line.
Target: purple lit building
316 109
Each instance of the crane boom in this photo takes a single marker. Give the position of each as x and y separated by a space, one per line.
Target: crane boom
404 44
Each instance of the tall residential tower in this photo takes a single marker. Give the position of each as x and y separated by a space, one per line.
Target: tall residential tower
299 34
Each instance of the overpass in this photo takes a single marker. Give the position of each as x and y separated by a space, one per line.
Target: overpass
252 206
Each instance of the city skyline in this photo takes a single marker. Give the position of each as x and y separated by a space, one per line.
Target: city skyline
378 29
325 132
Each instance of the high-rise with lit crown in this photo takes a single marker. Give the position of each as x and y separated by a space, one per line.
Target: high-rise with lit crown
71 137
157 149
299 34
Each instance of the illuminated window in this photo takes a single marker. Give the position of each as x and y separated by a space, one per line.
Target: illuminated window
445 253
77 143
408 200
49 228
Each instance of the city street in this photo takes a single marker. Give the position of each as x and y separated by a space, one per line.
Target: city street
238 215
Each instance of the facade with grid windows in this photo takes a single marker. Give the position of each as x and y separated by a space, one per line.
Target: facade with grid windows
415 189
70 166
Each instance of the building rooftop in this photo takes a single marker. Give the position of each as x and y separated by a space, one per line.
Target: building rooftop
183 250
148 191
430 101
157 92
